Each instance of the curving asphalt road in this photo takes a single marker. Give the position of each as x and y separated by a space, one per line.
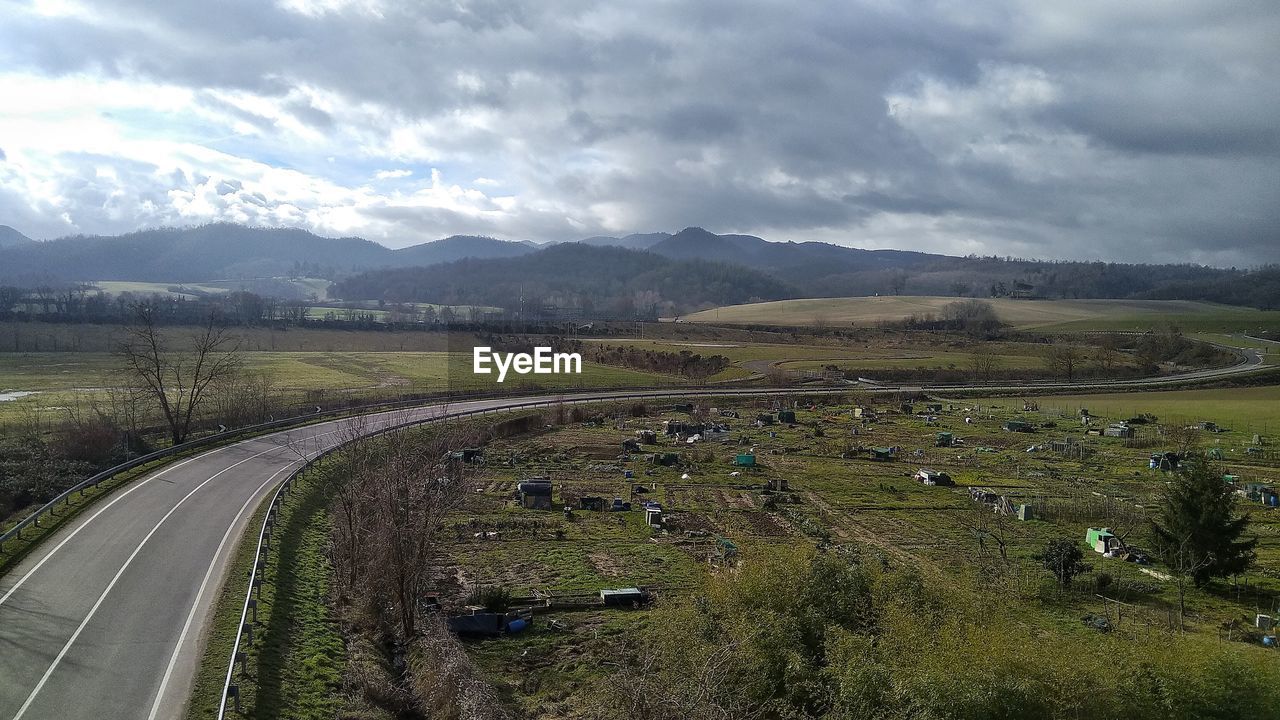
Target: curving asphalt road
106 618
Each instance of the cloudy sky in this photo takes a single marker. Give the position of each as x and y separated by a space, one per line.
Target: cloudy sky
1091 129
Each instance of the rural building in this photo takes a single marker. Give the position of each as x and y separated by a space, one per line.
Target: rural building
478 624
744 460
679 427
786 416
653 514
623 597
534 493
630 446
1019 426
1102 540
933 408
1118 430
591 502
884 454
647 437
932 477
944 439
764 419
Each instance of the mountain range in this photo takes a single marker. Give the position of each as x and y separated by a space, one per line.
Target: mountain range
224 251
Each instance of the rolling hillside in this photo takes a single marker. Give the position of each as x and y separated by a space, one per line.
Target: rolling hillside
586 279
1023 314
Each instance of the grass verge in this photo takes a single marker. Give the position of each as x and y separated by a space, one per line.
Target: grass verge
295 664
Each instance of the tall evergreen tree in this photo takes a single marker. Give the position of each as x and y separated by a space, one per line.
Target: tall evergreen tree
1197 530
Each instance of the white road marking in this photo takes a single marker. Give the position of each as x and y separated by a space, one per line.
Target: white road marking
92 611
204 584
75 532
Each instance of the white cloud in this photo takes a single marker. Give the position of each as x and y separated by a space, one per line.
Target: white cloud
1119 130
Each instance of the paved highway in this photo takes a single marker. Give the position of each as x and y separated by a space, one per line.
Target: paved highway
105 618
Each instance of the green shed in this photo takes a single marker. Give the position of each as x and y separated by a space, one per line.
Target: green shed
744 460
1099 539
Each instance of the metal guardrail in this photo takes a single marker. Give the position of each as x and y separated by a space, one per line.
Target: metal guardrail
50 507
64 498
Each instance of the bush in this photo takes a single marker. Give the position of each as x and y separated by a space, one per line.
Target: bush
490 597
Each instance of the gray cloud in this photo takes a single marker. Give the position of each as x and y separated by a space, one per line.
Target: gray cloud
1091 130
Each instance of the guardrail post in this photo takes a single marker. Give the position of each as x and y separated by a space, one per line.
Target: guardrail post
233 691
253 605
247 629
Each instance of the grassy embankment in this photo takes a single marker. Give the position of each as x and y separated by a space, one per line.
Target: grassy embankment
295 665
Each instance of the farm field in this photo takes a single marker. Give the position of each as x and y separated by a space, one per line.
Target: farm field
1048 315
58 381
882 353
835 496
1248 411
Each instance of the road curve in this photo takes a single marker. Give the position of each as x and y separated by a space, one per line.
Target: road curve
106 618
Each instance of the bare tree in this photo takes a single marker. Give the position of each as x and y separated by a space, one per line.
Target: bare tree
179 379
1107 355
392 520
1184 438
983 361
1063 360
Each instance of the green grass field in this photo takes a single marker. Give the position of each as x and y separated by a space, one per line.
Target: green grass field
75 380
1056 315
1246 410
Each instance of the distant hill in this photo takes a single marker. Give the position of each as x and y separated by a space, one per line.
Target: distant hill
12 238
635 241
797 262
225 251
457 247
588 279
